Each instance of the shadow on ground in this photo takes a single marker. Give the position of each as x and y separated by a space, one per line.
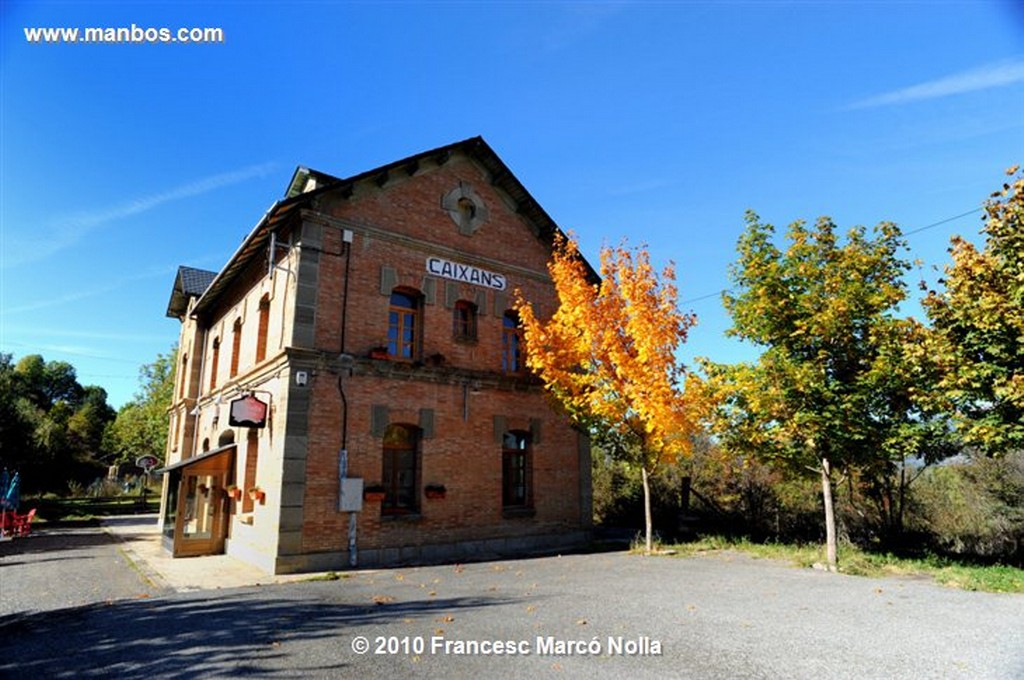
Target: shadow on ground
60 537
239 632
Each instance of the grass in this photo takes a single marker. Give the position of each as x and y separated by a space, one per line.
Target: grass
857 562
51 509
329 576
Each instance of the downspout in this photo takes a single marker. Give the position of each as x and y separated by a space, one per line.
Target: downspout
345 363
347 240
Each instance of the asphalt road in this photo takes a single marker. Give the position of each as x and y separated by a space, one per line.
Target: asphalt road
65 567
710 617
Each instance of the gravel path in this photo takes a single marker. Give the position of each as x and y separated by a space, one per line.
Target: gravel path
724 616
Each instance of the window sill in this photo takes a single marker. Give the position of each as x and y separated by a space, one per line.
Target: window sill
401 517
518 512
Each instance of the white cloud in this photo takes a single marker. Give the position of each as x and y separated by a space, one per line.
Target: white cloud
987 77
68 231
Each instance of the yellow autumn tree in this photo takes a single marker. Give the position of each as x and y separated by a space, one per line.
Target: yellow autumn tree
608 356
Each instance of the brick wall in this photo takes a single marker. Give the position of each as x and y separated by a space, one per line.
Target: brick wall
398 227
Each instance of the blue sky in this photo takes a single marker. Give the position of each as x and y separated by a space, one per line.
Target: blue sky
661 122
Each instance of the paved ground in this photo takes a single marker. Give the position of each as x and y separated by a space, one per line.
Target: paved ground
725 616
67 567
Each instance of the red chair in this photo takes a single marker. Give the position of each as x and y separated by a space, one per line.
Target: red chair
23 523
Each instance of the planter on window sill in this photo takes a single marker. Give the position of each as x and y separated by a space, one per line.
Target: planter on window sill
435 491
258 495
379 353
233 492
374 494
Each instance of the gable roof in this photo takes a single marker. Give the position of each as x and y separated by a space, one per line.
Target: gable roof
188 283
297 197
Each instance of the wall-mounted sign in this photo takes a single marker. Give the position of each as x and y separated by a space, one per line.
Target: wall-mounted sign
465 273
247 412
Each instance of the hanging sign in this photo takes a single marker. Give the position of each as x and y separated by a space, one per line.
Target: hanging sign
465 273
248 412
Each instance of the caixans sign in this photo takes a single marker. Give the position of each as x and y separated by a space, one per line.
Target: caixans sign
465 273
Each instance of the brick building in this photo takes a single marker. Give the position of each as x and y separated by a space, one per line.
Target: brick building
366 324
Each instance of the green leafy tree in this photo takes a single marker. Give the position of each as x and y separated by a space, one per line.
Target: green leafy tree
979 317
15 428
141 425
837 385
51 427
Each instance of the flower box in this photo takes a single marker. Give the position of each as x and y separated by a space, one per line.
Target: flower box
258 495
374 493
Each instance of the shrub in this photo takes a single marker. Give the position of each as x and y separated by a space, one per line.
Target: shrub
974 507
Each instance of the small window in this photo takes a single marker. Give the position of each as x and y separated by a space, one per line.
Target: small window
183 377
511 344
214 360
516 470
400 475
403 325
252 456
236 347
466 208
264 325
464 321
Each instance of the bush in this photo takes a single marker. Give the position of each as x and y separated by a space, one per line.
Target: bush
974 507
723 494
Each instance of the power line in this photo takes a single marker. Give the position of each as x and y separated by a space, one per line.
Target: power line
940 222
906 233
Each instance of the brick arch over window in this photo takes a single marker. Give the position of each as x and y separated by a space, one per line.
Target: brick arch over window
400 473
405 322
226 437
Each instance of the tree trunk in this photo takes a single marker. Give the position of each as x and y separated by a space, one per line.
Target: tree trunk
647 509
830 515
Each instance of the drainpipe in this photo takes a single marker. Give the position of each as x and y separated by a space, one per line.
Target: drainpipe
345 364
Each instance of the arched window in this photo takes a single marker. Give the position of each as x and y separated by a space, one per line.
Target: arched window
252 453
404 324
264 326
511 344
400 475
183 377
236 346
516 470
464 321
214 360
